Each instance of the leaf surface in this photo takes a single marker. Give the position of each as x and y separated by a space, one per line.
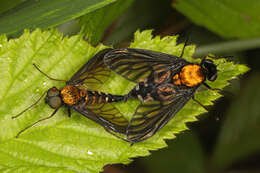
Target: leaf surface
46 14
239 19
95 23
75 144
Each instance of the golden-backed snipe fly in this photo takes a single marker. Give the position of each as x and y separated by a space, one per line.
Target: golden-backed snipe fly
165 83
80 95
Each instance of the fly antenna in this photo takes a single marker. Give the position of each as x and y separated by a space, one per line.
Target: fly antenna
53 113
59 80
185 44
35 103
203 60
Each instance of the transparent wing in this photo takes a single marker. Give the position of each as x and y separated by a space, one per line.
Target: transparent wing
104 114
152 116
92 74
138 64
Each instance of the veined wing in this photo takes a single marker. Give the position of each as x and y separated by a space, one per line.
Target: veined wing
152 116
92 74
138 64
104 114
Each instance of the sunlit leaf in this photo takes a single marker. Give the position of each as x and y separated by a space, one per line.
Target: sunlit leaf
74 144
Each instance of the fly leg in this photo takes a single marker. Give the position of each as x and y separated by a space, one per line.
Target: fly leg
69 113
193 98
185 44
209 87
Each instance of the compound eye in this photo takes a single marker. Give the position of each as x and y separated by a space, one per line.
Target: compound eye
54 102
53 92
207 63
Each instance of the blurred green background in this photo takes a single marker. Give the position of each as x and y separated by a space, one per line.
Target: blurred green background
226 139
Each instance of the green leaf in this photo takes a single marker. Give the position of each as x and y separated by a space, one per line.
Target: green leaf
77 143
8 4
228 18
95 23
46 13
239 137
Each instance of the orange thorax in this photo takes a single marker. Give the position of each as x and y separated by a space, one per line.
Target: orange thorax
191 75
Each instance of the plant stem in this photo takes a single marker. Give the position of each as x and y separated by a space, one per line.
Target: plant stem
230 46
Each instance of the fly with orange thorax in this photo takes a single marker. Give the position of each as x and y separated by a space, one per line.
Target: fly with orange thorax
80 94
164 84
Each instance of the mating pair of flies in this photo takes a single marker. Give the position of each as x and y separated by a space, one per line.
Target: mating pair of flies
164 84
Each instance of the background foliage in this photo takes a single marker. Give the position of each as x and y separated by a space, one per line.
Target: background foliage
225 139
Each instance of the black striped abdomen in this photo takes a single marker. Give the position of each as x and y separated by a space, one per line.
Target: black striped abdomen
97 97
